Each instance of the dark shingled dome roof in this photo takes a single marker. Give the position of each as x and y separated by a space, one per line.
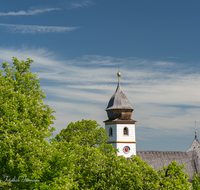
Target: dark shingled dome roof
119 100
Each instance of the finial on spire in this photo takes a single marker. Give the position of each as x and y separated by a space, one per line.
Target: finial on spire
118 74
195 130
118 63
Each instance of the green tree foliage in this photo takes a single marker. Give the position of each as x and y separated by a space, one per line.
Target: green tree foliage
24 123
85 132
196 182
58 171
174 177
89 168
95 168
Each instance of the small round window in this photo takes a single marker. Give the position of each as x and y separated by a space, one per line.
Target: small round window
126 149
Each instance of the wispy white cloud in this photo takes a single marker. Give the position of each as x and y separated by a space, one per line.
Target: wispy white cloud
164 63
32 29
81 4
163 104
29 12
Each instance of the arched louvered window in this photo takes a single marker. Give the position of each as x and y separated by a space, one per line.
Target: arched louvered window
126 131
110 132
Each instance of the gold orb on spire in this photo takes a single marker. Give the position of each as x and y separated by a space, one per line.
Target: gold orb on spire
119 74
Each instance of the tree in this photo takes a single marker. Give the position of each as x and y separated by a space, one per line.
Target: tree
196 182
25 122
95 164
174 177
85 132
58 171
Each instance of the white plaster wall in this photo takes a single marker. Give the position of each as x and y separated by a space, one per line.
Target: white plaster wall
115 145
120 132
132 151
114 137
118 135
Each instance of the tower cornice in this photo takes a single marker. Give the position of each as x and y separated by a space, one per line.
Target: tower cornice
110 142
119 121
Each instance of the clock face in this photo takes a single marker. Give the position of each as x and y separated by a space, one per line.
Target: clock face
126 149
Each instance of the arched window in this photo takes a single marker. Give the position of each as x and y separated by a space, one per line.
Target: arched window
110 132
126 131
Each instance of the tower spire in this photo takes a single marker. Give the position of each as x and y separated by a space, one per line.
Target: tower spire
118 74
195 130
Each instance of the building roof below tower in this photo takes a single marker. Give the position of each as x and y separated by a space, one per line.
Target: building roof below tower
159 159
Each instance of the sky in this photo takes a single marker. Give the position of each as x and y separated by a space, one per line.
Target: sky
75 45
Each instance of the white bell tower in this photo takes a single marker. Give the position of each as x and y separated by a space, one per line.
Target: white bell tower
119 126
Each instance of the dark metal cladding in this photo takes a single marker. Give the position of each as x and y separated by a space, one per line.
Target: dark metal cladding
119 113
119 106
119 100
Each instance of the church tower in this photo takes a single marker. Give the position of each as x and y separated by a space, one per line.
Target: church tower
119 126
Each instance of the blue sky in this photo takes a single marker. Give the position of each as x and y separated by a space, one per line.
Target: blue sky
75 45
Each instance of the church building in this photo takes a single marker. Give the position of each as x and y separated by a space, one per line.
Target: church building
121 130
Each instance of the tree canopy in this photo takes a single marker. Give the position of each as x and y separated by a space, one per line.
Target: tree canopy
25 122
97 168
85 132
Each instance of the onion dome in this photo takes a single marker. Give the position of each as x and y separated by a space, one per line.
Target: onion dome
119 106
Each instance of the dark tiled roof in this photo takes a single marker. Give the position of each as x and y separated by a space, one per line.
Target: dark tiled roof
159 159
119 100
